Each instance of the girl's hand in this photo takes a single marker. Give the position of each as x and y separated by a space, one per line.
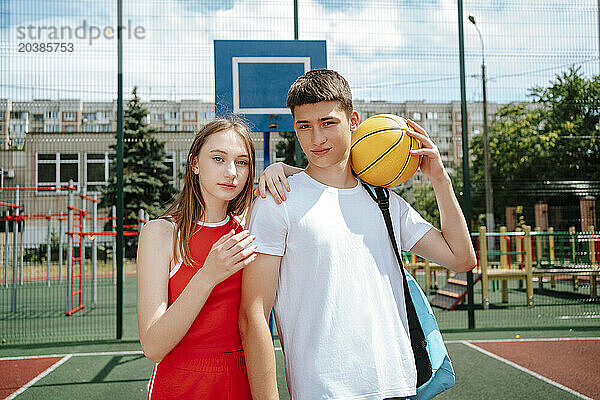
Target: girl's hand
228 255
273 178
431 161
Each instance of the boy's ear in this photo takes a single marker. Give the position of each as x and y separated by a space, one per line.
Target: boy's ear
354 121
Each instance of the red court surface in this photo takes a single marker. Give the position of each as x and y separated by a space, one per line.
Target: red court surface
571 363
16 373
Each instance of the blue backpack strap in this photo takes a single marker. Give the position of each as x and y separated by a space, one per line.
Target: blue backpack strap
417 337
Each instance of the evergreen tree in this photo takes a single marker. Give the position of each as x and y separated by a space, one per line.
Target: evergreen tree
146 177
287 149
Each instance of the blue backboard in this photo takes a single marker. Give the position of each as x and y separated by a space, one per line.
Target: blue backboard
252 78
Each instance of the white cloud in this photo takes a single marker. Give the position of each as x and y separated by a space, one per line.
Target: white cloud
388 50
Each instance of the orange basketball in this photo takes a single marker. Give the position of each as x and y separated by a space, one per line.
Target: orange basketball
380 152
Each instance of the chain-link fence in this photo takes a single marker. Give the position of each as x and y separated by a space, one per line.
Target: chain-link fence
58 120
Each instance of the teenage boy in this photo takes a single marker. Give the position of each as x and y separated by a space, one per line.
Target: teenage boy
326 264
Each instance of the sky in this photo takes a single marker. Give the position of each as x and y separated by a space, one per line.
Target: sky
394 50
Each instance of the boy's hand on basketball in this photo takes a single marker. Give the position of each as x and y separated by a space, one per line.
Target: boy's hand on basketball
228 255
273 178
431 161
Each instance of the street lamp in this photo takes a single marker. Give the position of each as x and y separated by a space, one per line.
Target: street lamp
489 199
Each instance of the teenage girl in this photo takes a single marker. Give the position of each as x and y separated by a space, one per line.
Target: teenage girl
189 265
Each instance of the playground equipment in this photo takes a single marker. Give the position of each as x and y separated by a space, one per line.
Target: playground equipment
578 259
79 237
525 256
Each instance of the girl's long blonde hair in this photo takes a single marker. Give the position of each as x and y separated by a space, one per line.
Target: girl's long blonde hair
189 207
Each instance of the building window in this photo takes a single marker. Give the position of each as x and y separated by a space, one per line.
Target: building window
189 116
51 128
56 169
157 117
17 115
104 115
416 116
172 115
51 115
189 128
96 171
170 163
38 117
89 116
69 128
432 115
1 115
69 116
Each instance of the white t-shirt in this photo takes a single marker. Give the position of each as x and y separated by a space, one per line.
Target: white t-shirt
339 307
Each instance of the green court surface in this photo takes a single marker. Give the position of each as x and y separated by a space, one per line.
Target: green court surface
119 370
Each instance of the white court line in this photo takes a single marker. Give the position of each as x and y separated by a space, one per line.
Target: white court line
520 340
530 372
106 353
37 378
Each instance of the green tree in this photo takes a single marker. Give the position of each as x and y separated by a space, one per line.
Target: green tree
553 138
286 148
423 196
146 177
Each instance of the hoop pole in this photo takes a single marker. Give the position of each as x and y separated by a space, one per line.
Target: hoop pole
266 149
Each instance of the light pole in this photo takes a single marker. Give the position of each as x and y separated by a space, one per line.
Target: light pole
489 195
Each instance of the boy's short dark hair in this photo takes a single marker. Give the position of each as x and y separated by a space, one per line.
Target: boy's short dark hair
319 85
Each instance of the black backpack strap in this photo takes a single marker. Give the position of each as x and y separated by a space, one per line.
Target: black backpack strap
417 337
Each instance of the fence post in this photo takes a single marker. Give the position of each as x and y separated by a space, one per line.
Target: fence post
574 256
141 216
70 246
84 229
528 265
504 263
94 249
483 264
6 247
592 252
538 251
552 255
60 248
48 248
21 245
15 242
114 244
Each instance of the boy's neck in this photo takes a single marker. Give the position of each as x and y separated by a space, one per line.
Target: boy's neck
338 176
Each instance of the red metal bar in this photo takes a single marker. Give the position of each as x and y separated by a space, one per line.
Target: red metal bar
83 196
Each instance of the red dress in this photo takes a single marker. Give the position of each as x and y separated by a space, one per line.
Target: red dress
208 363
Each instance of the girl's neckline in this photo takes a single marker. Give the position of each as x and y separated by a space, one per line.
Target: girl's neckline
214 224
